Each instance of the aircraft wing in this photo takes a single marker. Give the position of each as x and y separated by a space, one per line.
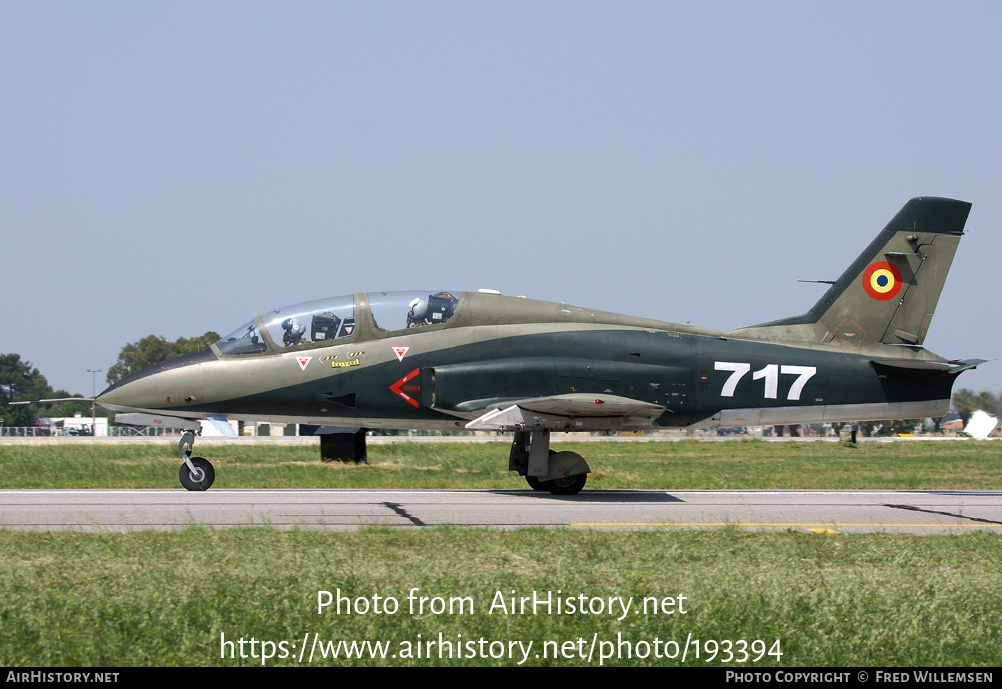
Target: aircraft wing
54 400
571 412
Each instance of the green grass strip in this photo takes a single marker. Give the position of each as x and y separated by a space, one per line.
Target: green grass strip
745 464
142 599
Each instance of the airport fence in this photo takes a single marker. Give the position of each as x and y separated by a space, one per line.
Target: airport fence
113 431
25 431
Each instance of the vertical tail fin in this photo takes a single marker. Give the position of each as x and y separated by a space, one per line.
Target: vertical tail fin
889 294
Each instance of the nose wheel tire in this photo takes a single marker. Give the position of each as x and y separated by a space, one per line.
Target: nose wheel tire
199 479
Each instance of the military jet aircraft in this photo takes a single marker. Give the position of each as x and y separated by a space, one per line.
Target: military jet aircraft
436 359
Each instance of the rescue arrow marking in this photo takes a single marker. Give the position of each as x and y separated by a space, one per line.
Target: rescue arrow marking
396 386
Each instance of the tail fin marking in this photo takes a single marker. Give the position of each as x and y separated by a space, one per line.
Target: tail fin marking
889 293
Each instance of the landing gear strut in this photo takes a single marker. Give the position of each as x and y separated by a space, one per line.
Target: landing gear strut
196 472
560 473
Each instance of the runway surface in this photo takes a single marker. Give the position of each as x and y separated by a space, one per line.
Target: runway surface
920 512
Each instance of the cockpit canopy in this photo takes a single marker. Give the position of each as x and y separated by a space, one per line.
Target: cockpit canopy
326 320
393 311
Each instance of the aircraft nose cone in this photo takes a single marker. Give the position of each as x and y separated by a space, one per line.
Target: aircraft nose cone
105 396
151 388
128 395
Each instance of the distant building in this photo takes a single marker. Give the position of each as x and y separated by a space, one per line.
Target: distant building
76 425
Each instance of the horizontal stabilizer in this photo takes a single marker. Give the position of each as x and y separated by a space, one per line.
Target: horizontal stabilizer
966 364
952 367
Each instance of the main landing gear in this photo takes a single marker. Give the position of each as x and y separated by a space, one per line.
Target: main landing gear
196 472
560 473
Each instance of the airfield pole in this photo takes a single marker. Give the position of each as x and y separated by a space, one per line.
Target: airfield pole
93 395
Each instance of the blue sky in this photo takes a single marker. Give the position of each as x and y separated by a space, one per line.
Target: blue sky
171 168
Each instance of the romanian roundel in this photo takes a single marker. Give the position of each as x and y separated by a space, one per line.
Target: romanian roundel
882 281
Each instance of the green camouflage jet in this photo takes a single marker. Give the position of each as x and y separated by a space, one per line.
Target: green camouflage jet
482 361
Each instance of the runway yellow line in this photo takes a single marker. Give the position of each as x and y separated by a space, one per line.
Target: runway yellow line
818 526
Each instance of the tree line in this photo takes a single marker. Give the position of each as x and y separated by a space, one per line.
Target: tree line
20 381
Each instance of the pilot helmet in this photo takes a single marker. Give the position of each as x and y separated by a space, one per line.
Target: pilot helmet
419 309
293 329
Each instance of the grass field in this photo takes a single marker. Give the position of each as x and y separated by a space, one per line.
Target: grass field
170 599
743 464
190 597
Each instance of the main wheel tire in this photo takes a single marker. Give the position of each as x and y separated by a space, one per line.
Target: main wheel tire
570 485
534 483
201 478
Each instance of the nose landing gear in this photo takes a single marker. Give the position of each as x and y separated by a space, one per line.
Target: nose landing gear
196 472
